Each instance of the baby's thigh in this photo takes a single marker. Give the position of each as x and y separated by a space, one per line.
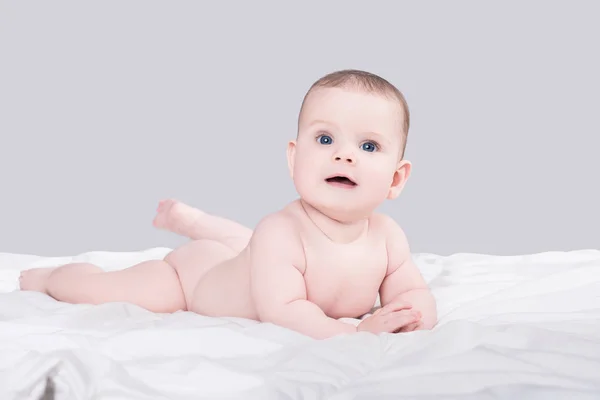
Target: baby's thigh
194 259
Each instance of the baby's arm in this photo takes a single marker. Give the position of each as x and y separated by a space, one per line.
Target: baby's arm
277 283
404 281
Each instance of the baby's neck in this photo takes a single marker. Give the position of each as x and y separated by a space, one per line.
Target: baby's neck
337 231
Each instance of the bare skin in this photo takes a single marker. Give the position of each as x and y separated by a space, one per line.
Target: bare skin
182 219
321 258
185 220
207 290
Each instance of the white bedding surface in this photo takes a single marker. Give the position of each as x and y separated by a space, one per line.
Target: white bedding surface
522 327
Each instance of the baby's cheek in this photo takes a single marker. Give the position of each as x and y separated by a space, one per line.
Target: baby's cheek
378 184
378 194
305 186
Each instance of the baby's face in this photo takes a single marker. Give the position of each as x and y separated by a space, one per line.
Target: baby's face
348 150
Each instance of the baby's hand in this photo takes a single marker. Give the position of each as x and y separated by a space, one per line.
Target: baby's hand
393 318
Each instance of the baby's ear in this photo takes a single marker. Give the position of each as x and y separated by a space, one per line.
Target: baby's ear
401 175
291 155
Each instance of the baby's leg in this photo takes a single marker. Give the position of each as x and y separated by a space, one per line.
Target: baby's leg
153 285
179 218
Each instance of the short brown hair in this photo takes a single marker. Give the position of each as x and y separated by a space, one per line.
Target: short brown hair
366 81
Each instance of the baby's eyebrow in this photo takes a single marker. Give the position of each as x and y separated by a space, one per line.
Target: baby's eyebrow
377 136
320 122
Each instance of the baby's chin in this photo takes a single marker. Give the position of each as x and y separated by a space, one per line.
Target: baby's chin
342 209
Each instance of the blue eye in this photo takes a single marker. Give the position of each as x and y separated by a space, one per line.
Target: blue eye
369 146
324 139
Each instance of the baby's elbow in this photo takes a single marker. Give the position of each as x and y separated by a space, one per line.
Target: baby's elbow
267 310
268 314
278 313
429 323
430 320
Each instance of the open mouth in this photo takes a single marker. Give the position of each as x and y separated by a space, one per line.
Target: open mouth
340 180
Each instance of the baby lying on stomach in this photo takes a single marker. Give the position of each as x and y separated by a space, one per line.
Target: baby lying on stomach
323 257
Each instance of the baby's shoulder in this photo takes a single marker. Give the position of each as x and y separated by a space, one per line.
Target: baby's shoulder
276 239
395 239
386 228
383 223
281 225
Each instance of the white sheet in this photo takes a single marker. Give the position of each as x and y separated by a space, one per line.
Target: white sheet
525 327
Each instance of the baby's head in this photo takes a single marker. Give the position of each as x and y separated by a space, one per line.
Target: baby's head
348 155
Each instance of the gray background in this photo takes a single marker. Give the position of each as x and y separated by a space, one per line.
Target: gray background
108 106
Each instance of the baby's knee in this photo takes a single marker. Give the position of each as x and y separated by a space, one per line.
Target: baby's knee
165 279
170 301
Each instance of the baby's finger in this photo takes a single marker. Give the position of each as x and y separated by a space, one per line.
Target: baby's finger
410 327
394 307
401 319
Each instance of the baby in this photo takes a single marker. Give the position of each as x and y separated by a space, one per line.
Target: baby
322 257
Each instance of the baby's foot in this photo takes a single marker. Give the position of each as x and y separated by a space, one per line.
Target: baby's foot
35 279
175 216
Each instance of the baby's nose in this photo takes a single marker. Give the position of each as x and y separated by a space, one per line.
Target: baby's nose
349 160
347 157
